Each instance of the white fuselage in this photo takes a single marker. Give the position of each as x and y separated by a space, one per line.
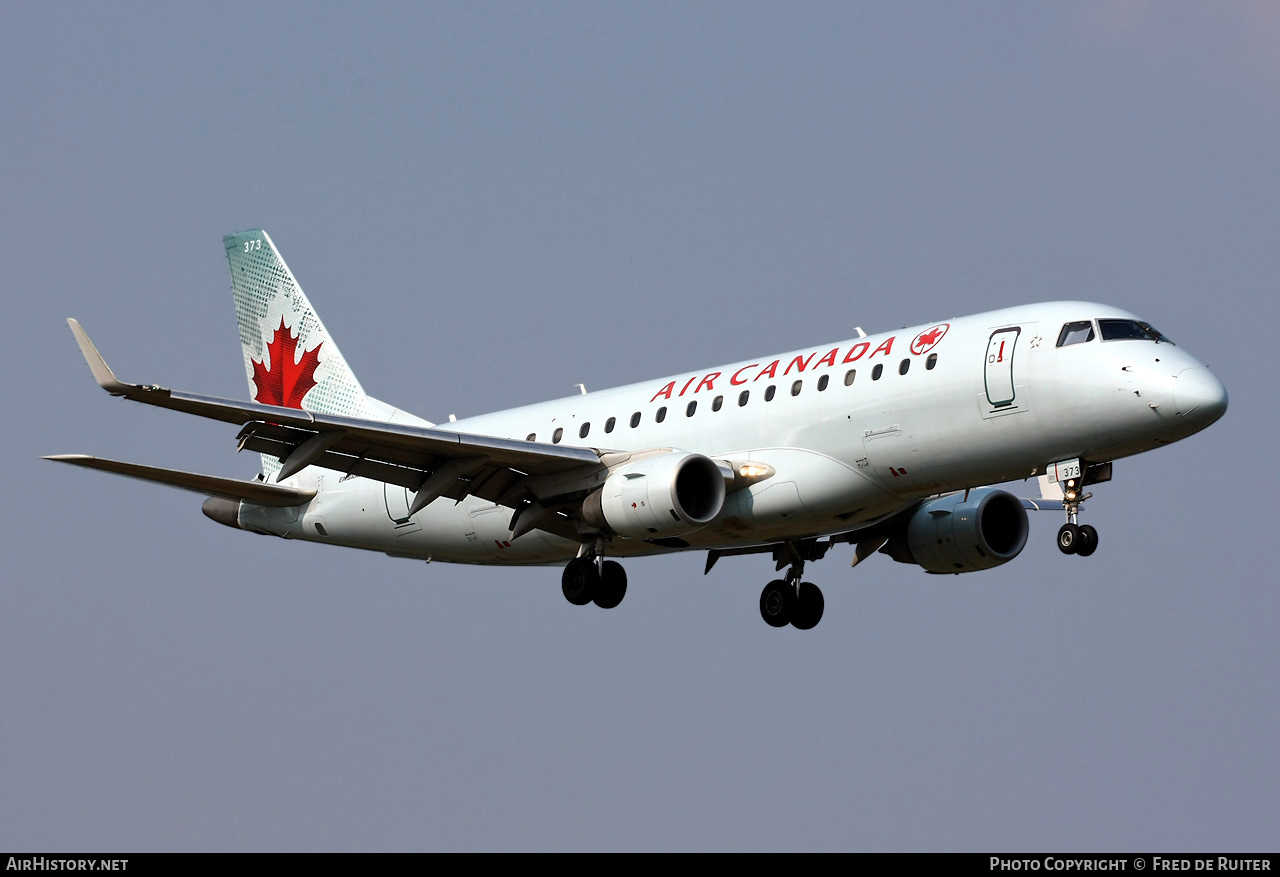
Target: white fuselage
887 427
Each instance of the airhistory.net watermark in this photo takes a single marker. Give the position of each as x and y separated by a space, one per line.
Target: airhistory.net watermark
44 863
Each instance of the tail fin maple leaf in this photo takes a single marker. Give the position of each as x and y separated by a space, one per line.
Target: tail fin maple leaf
286 382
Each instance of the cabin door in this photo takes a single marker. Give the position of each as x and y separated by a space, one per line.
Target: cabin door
999 370
1004 372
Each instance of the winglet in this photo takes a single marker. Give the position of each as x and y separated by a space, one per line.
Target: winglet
101 371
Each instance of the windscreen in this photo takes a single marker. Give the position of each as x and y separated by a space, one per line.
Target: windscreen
1129 330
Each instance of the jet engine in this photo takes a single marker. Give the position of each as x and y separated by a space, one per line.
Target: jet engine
962 533
655 497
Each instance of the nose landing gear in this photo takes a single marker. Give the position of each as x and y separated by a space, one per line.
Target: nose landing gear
1076 539
1072 537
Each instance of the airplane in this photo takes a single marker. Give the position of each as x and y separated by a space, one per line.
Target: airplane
889 442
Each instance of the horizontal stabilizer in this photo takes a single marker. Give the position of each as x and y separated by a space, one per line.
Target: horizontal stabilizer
255 492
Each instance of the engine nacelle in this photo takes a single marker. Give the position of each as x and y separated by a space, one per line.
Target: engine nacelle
952 534
660 496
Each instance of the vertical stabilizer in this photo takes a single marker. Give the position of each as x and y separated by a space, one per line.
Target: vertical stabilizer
289 357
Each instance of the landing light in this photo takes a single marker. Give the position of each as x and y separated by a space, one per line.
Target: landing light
750 473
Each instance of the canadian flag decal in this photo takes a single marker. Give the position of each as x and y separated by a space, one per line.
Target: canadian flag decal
287 381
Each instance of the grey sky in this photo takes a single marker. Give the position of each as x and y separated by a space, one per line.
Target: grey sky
490 203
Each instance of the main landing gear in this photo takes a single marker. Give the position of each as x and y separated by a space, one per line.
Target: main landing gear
1072 537
791 601
589 579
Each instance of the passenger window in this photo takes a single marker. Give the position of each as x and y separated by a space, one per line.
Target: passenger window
796 387
608 424
1075 333
586 428
743 397
717 403
822 383
531 437
849 376
661 415
557 435
690 408
931 362
877 372
768 392
903 366
635 420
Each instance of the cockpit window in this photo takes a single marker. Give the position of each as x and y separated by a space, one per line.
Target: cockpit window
1075 333
1129 330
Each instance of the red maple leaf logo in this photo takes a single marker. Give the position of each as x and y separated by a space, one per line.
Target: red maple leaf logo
926 340
287 381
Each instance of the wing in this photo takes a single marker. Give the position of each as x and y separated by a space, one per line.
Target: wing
526 476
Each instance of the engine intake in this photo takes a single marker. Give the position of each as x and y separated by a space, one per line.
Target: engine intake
656 497
953 534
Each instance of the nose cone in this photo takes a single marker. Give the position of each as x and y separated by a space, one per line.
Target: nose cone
1199 396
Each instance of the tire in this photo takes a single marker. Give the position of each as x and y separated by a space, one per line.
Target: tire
579 581
1088 541
809 606
612 586
777 602
1069 539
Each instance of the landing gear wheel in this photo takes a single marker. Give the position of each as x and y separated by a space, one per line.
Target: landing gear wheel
808 609
777 602
1088 541
1069 539
580 581
612 586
